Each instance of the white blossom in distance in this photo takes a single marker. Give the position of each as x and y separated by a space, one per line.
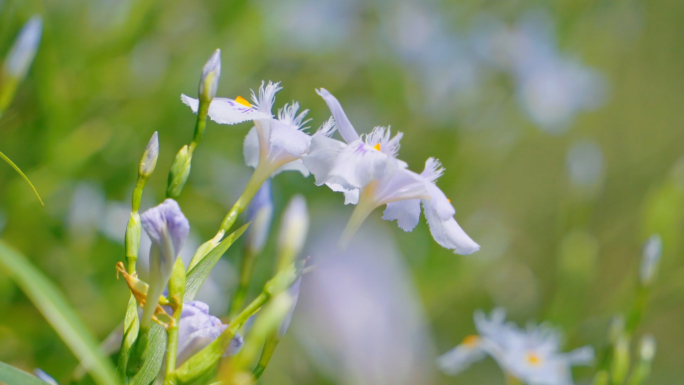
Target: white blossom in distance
367 170
274 143
531 355
24 49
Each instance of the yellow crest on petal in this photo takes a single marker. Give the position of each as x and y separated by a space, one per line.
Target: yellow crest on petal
243 101
377 147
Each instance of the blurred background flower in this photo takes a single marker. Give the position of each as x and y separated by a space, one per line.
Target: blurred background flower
559 126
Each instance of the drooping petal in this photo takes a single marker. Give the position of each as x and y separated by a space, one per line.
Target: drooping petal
448 233
250 148
227 111
351 197
406 213
399 183
357 165
345 127
321 158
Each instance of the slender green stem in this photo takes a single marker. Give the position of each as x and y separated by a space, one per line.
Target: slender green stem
266 354
246 270
361 212
258 178
171 352
17 169
200 125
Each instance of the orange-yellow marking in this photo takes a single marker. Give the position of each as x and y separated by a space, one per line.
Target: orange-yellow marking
243 101
377 147
471 341
533 359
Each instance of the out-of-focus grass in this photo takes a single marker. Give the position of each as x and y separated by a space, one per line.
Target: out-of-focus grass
109 73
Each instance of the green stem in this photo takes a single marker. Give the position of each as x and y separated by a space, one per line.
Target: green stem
361 212
200 124
266 354
171 352
246 270
258 178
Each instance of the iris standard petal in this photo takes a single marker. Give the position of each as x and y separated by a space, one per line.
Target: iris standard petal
345 127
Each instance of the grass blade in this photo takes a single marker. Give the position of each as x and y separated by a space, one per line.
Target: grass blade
17 169
59 313
12 376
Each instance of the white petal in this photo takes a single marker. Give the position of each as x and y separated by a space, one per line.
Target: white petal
226 111
289 139
343 124
459 358
358 164
251 148
398 183
439 202
406 213
321 157
296 165
448 233
351 197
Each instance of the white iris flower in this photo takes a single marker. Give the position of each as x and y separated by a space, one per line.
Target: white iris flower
274 144
367 170
532 355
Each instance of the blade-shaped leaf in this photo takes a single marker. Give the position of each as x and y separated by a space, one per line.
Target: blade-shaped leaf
17 169
12 376
49 300
195 278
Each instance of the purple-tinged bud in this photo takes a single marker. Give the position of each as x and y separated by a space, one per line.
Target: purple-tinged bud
168 229
293 292
197 329
210 77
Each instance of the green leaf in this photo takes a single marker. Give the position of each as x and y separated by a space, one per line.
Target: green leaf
17 169
12 376
195 278
49 300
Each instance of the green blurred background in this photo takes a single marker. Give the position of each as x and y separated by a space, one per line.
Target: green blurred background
559 178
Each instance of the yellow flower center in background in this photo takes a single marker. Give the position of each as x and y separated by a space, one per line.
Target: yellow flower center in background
471 341
377 147
243 101
533 359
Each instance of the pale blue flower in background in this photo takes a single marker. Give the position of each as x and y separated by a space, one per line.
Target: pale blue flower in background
168 229
360 318
24 49
531 355
197 329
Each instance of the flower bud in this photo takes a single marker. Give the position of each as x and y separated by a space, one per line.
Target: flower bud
168 229
647 349
24 49
293 230
621 360
293 292
650 257
149 159
197 329
177 282
133 231
210 77
180 170
259 214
